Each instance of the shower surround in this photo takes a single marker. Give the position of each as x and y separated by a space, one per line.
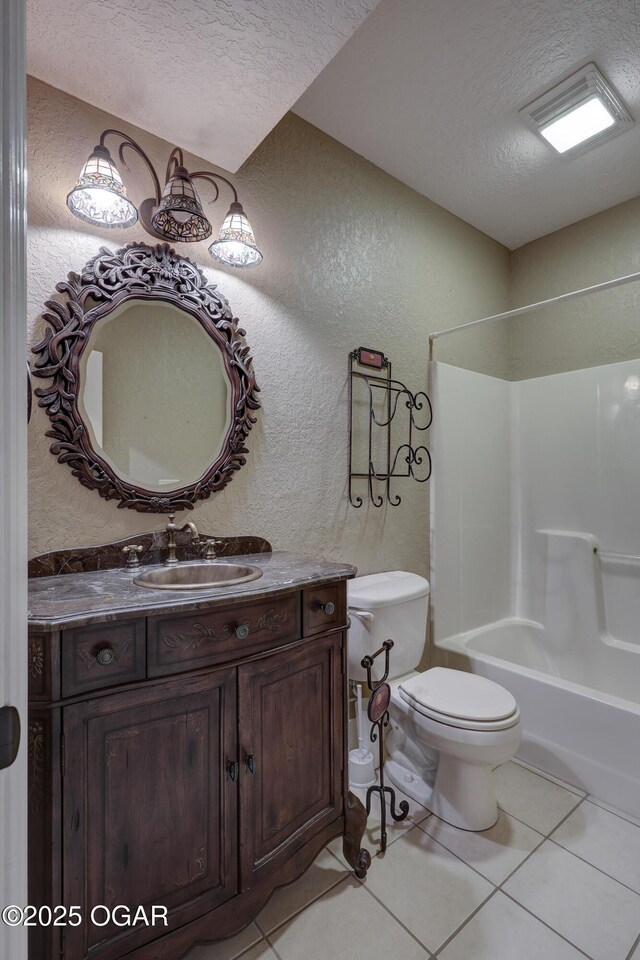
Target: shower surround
535 558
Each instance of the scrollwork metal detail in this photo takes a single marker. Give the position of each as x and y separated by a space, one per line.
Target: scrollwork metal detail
108 280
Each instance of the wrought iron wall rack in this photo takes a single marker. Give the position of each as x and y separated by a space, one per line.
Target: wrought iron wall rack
403 460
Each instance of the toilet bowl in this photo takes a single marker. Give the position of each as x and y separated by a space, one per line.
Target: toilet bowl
455 745
448 728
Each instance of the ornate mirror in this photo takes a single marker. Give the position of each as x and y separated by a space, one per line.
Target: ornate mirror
152 391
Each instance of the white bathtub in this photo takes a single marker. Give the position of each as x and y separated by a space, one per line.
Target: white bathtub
574 726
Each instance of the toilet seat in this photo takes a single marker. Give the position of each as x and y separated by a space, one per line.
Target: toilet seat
460 699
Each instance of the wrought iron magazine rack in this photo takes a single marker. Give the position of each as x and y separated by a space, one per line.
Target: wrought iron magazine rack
378 713
387 399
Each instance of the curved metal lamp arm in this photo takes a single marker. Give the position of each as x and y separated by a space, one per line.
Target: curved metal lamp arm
212 177
128 142
176 159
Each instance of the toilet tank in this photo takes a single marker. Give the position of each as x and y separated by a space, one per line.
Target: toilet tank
387 606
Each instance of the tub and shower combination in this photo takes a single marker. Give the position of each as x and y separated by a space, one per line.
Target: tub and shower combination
535 559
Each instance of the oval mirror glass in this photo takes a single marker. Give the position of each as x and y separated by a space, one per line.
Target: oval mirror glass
155 395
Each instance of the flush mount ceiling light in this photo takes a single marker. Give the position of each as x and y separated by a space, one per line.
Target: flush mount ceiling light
175 213
579 113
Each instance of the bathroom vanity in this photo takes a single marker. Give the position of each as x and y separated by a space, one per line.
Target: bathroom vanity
187 748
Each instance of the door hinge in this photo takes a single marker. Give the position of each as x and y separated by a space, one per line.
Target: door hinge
62 757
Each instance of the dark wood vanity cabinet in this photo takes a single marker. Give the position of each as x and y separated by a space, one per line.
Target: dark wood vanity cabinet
290 734
199 791
149 813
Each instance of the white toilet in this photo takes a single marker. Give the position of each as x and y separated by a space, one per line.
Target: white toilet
448 728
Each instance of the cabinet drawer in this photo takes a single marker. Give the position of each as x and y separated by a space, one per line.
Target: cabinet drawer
102 655
324 608
196 640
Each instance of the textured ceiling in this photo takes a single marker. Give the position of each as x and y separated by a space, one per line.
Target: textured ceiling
213 76
430 92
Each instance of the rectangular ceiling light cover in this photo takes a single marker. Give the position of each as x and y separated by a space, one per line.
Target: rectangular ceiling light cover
579 113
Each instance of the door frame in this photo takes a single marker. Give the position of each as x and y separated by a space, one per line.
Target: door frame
13 463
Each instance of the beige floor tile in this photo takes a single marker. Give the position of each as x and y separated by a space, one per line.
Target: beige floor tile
227 949
346 922
536 801
494 853
594 912
606 841
323 874
502 930
428 889
547 776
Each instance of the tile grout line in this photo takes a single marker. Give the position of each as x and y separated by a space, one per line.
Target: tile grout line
545 924
569 787
397 919
629 956
297 913
391 914
464 923
522 905
499 887
456 855
564 819
595 802
572 788
595 867
544 837
470 865
271 946
549 837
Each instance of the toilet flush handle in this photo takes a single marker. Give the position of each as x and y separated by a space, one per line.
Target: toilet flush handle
361 615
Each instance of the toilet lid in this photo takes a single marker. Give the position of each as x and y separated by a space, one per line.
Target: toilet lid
454 693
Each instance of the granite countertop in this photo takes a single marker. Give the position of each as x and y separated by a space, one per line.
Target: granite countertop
74 599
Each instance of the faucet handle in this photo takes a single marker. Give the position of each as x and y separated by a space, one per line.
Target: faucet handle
132 551
209 545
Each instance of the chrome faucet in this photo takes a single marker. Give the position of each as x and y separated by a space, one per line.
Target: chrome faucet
172 529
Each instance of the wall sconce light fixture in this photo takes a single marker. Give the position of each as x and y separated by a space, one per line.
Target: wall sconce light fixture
175 213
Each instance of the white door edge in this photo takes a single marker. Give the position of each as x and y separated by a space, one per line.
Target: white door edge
13 465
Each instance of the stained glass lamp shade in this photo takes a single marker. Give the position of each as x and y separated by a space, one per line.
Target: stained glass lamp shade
179 216
236 244
99 197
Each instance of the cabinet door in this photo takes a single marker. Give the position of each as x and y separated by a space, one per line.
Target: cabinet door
150 814
291 736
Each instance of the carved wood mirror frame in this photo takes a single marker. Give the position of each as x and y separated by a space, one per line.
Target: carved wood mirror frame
137 272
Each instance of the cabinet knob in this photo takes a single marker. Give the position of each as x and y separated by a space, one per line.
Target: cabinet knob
232 769
106 656
242 631
251 763
329 608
